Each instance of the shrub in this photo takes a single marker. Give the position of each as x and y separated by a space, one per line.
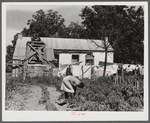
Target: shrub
135 102
104 95
124 106
45 95
45 80
11 86
91 106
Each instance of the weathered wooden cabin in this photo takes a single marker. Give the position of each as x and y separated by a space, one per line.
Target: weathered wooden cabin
63 50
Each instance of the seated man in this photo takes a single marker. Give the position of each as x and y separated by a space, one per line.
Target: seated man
69 85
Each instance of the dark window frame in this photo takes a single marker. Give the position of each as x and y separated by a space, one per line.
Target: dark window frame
75 58
89 61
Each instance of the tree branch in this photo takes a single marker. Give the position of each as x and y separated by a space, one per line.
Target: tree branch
113 30
115 41
97 44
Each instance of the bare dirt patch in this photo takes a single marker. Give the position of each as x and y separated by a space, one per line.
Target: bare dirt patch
26 98
54 95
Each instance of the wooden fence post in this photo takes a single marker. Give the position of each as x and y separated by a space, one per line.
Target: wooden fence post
122 75
82 71
137 85
128 81
116 78
24 74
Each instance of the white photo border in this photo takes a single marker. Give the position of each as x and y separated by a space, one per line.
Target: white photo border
67 115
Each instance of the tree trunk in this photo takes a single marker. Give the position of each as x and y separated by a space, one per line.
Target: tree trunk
105 62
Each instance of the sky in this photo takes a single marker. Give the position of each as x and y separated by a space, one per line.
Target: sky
18 15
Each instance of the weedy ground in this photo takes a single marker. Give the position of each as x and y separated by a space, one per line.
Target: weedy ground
40 93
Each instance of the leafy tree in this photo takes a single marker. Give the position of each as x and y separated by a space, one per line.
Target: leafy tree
10 51
9 56
114 25
75 30
14 41
104 22
49 24
131 49
137 34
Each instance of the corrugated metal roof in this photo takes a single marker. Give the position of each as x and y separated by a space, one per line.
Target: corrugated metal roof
58 43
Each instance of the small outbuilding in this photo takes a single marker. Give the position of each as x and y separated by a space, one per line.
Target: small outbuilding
67 51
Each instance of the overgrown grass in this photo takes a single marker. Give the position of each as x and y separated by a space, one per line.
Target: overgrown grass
45 80
45 99
104 95
97 95
11 86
